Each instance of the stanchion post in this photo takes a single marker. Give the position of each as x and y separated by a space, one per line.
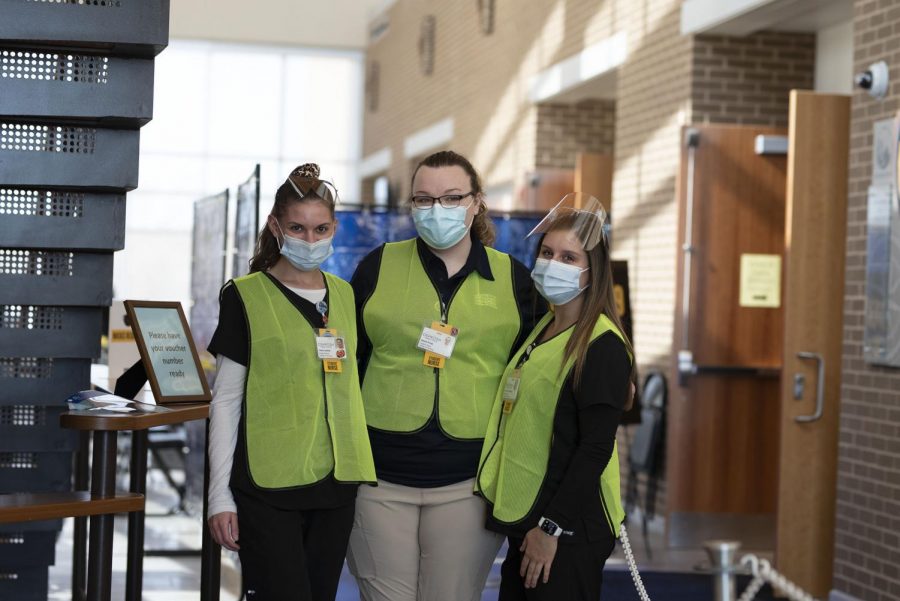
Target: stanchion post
722 555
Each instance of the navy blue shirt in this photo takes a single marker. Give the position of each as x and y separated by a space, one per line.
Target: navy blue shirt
428 458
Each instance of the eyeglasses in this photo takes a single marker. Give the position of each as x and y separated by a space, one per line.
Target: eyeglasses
448 201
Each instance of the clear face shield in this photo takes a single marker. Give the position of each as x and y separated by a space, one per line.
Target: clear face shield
580 213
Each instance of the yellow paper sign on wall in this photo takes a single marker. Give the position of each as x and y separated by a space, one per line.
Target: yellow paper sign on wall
760 280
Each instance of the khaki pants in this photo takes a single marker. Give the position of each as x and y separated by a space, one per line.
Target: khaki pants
421 544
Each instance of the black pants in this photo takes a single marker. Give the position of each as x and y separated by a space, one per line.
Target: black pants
291 555
575 575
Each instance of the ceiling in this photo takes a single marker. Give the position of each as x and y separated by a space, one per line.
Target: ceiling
332 24
743 17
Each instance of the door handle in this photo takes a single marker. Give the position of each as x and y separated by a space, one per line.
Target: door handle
820 387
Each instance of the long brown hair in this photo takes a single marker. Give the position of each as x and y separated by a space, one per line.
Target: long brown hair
482 224
304 180
599 299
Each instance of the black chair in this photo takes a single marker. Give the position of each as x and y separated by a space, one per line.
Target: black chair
165 444
647 448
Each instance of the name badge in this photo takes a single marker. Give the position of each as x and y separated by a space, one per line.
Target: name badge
331 349
511 391
438 342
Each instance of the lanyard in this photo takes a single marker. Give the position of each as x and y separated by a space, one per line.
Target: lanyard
322 308
526 355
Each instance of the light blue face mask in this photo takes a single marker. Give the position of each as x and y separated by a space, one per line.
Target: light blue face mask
440 227
557 282
305 256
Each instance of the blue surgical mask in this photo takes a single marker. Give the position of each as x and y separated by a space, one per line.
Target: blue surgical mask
305 256
557 282
440 227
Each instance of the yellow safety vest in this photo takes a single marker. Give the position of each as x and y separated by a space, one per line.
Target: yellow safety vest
300 422
400 392
517 447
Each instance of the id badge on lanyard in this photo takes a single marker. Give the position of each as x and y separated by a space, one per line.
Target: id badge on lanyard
511 390
438 341
331 349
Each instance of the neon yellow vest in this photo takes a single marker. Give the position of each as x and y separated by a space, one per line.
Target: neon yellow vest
301 423
398 390
517 447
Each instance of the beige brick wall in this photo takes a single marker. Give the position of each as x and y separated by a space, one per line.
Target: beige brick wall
747 80
481 81
565 130
867 548
653 102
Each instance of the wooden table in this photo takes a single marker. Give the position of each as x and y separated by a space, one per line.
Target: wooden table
104 429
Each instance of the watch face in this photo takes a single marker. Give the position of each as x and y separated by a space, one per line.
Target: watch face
548 526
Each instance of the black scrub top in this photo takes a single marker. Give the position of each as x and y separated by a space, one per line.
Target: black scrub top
428 458
232 340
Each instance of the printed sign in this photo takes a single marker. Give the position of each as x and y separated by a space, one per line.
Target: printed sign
760 281
168 351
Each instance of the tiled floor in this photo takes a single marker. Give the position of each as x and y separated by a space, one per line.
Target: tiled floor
178 579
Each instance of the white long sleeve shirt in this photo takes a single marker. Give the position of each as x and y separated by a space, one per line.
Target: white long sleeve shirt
225 419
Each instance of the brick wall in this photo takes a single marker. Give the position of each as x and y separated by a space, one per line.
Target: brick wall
867 547
479 80
564 130
746 80
653 102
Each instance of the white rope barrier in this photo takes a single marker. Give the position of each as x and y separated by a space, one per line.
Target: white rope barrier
763 572
632 566
761 569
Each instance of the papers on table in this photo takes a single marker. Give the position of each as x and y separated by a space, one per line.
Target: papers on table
109 404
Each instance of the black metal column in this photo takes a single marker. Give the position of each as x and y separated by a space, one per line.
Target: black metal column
103 482
211 554
134 576
79 538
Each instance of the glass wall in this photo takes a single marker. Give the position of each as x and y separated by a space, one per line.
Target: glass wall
218 110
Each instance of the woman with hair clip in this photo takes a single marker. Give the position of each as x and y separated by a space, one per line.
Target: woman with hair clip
288 445
549 467
438 318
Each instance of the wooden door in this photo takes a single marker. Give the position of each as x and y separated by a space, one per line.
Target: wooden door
593 175
814 299
722 445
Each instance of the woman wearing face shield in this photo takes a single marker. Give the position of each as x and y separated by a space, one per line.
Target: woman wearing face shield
549 467
438 318
288 444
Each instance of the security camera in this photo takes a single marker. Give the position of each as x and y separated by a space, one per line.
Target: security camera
875 79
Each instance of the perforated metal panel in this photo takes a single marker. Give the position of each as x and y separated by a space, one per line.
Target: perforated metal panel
35 471
77 87
76 83
50 331
24 548
41 380
35 428
59 219
52 277
122 27
23 583
66 156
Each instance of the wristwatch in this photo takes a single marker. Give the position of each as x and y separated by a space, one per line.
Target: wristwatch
549 527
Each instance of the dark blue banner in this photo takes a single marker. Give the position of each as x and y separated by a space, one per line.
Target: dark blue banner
361 231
